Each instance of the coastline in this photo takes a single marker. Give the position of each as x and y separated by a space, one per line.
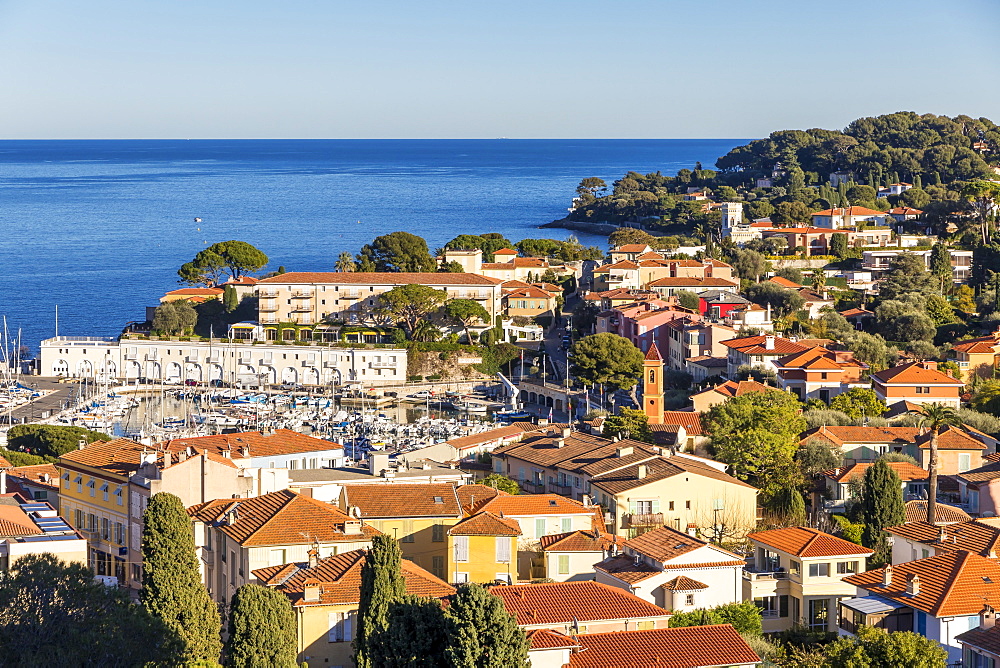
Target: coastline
582 226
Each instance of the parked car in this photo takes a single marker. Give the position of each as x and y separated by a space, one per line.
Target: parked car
191 382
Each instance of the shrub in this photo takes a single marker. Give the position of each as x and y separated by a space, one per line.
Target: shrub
415 379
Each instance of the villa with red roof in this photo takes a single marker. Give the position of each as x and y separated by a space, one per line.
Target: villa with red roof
796 576
918 383
684 647
840 218
818 373
977 356
705 399
758 351
939 597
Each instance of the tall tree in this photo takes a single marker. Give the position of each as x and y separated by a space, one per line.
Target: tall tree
412 303
172 590
207 268
481 633
345 262
935 417
466 312
631 422
941 263
750 264
261 629
606 358
858 403
881 506
982 195
229 299
382 585
55 614
838 245
907 273
237 258
399 251
417 635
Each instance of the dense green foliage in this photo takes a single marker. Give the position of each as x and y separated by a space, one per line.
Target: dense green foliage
481 633
398 251
859 402
56 614
175 317
872 648
382 586
757 435
172 590
235 258
261 629
606 359
628 423
412 303
880 506
567 251
501 482
745 617
466 312
49 440
489 243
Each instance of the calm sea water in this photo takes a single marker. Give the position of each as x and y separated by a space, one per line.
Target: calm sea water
100 227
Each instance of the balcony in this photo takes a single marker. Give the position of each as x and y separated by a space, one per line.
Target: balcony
266 307
754 575
301 308
302 294
213 359
382 365
643 520
562 490
269 320
268 293
131 356
193 359
533 487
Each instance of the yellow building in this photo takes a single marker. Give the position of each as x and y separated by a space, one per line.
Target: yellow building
235 537
418 516
483 549
796 577
325 594
977 357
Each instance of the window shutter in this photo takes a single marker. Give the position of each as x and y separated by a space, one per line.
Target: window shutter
503 549
539 527
461 548
349 626
631 507
563 564
567 524
656 506
333 622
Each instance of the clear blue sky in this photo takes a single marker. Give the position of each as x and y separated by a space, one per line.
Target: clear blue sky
470 68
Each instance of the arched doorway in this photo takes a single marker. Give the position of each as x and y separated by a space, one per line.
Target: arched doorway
270 375
109 369
289 375
133 370
193 372
60 368
215 372
174 373
153 370
310 376
85 369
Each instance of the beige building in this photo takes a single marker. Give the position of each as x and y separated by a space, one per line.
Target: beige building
325 595
307 298
235 537
245 362
796 577
571 556
35 528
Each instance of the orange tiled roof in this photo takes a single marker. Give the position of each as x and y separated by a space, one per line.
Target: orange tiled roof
632 248
951 584
578 541
816 359
905 470
971 535
279 518
757 345
15 522
838 435
987 639
380 278
339 579
624 568
690 420
905 211
486 524
784 282
120 456
682 281
849 211
984 473
197 292
951 438
653 354
914 373
807 542
547 639
534 504
473 496
664 544
852 312
683 583
400 500
36 474
564 602
734 388
259 444
684 647
916 511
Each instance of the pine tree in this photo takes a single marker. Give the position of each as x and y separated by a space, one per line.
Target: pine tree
261 629
417 635
172 589
382 585
881 507
229 298
482 633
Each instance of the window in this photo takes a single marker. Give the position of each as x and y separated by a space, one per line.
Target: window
539 527
461 548
688 599
563 564
670 505
91 522
437 532
437 567
973 659
819 610
461 578
819 570
794 567
964 462
92 486
644 507
104 491
105 529
408 535
232 571
340 627
503 549
845 567
567 524
687 505
119 533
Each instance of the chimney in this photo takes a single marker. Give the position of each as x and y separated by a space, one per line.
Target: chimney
987 617
769 342
313 556
166 460
567 432
560 442
311 591
887 576
913 585
641 473
623 451
941 534
352 527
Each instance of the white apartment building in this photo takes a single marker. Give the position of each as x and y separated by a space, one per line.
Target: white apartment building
245 362
877 261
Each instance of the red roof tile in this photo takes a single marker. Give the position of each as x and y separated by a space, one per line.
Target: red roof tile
684 647
486 524
916 511
579 541
402 500
914 373
683 583
905 470
379 278
563 602
806 542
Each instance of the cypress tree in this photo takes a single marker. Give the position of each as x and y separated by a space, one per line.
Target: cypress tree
881 507
482 634
172 590
417 635
917 183
382 585
229 299
261 629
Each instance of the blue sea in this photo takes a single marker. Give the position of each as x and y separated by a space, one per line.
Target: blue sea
100 227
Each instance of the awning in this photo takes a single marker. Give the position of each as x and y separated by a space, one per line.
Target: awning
104 487
871 605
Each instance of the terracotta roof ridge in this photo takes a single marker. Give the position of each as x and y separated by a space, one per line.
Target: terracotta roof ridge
963 558
290 497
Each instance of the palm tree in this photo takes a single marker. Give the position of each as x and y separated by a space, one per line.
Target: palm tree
345 262
935 416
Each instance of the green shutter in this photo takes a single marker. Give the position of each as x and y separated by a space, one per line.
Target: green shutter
631 507
656 506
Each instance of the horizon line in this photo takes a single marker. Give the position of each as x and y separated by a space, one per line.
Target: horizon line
373 138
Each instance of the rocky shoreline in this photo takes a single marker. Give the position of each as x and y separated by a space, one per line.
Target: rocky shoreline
581 226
